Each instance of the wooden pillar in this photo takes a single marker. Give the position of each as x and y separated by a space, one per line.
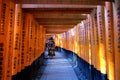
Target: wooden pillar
80 39
1 43
84 40
40 35
66 40
109 40
76 38
27 25
33 40
93 47
116 9
89 38
4 25
43 39
36 41
72 39
96 41
16 43
23 44
30 39
8 71
101 34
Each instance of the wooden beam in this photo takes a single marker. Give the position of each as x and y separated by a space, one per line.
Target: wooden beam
54 32
60 16
58 10
58 26
80 2
57 29
28 6
58 20
60 23
49 35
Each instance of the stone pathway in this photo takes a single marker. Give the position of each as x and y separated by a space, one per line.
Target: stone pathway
58 68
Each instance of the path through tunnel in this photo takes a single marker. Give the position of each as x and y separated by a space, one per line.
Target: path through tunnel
86 35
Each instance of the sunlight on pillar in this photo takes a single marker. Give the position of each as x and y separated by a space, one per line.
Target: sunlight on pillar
59 40
102 60
72 32
76 47
89 54
111 72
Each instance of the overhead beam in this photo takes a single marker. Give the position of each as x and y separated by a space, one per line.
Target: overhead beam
49 35
28 6
58 26
58 10
80 2
55 32
57 29
59 22
60 16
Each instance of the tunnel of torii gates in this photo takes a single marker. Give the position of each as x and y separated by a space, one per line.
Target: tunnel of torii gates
96 40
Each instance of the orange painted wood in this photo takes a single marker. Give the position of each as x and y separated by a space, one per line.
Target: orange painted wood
101 34
10 33
80 40
84 40
59 11
109 40
38 40
93 46
77 2
96 41
16 44
116 9
33 41
30 40
1 42
89 39
4 19
27 25
23 46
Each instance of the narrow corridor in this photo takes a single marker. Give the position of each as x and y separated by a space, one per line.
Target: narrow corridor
84 33
57 68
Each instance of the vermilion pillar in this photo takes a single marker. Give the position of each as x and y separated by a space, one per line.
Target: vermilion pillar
89 38
116 9
101 34
109 40
92 36
23 42
4 25
96 41
16 42
30 49
10 33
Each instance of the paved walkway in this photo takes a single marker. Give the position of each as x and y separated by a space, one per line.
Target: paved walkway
58 68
